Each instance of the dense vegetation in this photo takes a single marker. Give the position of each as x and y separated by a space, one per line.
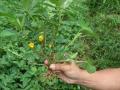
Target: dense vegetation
31 31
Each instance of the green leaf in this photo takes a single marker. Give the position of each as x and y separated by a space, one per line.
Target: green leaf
57 2
26 4
59 56
104 1
25 81
6 14
73 56
34 3
29 4
86 29
91 68
61 3
33 69
67 3
88 66
12 18
7 33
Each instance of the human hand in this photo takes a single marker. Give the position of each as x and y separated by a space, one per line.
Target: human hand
68 72
100 80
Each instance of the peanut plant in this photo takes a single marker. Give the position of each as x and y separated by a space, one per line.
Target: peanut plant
82 31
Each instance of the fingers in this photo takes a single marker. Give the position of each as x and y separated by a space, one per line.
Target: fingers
59 67
67 80
46 62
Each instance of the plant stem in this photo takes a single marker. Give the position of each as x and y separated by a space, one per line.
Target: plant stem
68 61
15 53
72 42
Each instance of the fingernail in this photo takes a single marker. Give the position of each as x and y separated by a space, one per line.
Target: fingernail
46 62
52 66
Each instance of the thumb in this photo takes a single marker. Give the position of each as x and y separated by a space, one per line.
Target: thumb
59 67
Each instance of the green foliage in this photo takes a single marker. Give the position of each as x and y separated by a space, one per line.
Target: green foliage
84 31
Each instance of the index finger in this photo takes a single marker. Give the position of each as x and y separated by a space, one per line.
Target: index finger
60 67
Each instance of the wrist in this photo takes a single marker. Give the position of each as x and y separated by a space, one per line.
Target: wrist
84 77
87 79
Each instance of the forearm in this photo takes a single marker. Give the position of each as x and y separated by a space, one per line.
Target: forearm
101 80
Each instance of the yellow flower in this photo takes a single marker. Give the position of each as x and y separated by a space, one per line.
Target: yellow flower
50 45
31 45
41 38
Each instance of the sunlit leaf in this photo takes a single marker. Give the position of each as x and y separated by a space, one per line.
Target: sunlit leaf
61 3
73 56
7 33
90 68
